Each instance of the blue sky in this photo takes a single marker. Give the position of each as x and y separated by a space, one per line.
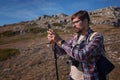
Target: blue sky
12 11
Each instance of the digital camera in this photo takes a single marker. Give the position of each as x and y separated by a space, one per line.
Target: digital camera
72 61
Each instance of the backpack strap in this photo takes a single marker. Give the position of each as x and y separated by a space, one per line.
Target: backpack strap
81 38
91 36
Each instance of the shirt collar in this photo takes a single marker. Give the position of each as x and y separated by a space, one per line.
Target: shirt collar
89 31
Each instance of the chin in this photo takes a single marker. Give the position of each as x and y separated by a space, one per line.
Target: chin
78 31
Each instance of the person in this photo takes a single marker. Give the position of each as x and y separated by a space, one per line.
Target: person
80 48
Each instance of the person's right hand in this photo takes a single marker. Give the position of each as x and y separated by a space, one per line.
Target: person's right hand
53 37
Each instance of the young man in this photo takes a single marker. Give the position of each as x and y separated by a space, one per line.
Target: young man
81 48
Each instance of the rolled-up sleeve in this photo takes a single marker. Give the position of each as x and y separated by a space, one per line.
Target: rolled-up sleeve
60 50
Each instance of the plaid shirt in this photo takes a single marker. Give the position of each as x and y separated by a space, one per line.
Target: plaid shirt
83 52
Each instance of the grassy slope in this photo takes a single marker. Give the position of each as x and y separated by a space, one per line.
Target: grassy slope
111 35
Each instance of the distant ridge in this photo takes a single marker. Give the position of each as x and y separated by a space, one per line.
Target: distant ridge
106 16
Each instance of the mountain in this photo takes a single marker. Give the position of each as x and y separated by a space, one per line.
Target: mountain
104 16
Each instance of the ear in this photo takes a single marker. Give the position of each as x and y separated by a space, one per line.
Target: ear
85 21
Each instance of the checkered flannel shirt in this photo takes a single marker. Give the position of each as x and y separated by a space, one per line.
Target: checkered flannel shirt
83 52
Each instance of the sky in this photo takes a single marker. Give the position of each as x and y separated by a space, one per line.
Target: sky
14 11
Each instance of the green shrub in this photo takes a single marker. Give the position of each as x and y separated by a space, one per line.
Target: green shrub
9 33
37 30
57 24
8 53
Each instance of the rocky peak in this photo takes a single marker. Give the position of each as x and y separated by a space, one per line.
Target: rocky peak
108 11
61 15
108 16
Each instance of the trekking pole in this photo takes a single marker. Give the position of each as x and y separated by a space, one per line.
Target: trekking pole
55 57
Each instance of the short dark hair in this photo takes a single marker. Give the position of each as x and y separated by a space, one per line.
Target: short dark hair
82 14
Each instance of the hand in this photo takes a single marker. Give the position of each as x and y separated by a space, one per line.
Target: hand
53 37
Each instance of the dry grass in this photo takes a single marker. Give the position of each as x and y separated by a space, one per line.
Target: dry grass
8 53
36 61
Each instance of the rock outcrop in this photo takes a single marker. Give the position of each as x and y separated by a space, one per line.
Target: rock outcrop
107 16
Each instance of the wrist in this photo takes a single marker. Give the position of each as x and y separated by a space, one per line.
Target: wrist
60 42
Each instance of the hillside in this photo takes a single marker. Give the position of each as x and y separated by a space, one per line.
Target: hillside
36 61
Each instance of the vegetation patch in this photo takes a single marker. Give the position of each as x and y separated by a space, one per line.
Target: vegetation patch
38 30
57 24
9 33
8 53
